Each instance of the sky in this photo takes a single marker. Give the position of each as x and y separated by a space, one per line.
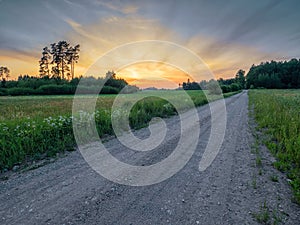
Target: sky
225 35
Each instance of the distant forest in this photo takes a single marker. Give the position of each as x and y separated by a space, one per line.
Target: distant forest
274 75
270 75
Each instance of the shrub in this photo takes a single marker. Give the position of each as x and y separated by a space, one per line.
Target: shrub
20 91
214 87
53 89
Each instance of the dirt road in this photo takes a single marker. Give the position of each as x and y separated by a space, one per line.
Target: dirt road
233 190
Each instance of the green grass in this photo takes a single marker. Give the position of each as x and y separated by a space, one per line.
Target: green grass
268 216
264 215
35 127
277 113
274 178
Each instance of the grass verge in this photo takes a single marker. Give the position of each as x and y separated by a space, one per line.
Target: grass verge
278 117
37 127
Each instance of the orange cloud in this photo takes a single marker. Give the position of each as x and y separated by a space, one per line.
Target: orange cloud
224 59
19 63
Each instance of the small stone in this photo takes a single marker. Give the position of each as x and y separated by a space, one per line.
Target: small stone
52 160
16 167
183 200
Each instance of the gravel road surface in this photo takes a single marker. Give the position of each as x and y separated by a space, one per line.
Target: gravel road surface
232 190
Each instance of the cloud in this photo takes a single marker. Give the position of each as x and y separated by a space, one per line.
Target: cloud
226 40
223 58
118 7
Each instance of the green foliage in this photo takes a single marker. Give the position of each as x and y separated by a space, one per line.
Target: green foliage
191 86
233 84
274 178
275 75
21 91
3 92
214 87
27 85
267 215
53 89
264 215
34 127
277 114
240 78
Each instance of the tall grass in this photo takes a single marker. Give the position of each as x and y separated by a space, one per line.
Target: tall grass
277 113
35 127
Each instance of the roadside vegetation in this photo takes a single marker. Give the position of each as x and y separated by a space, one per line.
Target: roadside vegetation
277 115
275 75
35 127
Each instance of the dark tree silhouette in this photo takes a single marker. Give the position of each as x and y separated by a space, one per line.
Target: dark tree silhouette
4 72
240 78
44 62
274 75
72 57
59 57
62 56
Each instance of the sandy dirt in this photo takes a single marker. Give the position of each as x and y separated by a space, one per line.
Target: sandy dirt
233 190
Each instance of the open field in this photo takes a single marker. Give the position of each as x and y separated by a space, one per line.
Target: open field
277 113
33 127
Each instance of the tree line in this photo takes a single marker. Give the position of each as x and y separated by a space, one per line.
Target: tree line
281 74
31 85
56 76
218 86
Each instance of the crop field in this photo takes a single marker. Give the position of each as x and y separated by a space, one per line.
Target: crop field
277 113
35 127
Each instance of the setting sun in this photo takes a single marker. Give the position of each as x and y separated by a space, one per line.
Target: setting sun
152 74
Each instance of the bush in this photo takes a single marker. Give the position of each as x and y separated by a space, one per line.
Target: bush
53 89
20 91
109 90
226 88
3 92
214 87
235 87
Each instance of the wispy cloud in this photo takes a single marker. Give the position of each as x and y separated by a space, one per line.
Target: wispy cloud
227 39
118 6
224 59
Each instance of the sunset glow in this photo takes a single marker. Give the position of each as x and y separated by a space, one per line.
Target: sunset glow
152 74
223 44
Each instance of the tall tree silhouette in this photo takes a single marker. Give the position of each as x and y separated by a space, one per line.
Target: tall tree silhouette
240 78
72 57
44 62
59 57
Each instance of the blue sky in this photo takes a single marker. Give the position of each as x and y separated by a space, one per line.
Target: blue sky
227 35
